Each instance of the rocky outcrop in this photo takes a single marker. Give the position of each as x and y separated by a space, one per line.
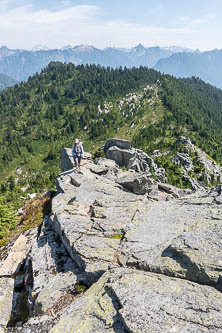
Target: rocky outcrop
120 252
184 160
136 183
206 170
120 143
17 253
183 240
132 301
103 213
125 155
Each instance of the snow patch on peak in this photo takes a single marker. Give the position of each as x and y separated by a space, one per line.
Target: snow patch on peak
84 48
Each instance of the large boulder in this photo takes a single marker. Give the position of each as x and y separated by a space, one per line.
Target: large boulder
126 300
136 183
105 167
121 156
180 238
133 159
16 256
67 159
120 143
120 151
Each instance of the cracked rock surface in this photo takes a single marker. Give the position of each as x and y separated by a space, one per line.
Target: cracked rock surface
110 258
131 301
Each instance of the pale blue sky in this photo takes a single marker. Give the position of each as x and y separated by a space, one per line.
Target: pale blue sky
121 23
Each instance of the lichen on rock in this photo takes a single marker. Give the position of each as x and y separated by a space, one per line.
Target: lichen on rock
120 252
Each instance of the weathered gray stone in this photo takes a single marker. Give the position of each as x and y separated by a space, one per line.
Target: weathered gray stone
177 238
37 324
63 182
120 143
131 158
15 257
196 254
136 183
184 160
120 156
169 189
148 230
105 167
140 161
6 298
132 301
218 199
97 226
53 291
92 225
67 159
155 194
53 269
105 163
211 169
218 195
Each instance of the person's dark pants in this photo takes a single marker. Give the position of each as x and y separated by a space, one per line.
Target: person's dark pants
77 160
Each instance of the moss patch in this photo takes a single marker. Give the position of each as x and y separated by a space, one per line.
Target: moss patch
80 288
116 236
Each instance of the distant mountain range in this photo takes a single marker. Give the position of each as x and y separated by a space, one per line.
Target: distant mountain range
206 65
178 61
20 64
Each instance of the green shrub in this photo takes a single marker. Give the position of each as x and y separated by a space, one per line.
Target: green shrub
7 218
98 153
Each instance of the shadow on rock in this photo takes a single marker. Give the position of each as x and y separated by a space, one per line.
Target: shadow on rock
193 272
22 304
49 238
58 259
119 323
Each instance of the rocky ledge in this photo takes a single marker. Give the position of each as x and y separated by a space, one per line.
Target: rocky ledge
120 252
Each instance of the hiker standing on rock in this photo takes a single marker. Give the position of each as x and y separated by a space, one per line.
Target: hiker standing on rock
77 153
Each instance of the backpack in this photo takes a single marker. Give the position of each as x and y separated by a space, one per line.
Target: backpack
78 148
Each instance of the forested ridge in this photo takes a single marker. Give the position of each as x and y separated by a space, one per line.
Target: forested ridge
64 101
194 109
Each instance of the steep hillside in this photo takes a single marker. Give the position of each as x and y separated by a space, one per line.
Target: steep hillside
6 81
39 117
206 65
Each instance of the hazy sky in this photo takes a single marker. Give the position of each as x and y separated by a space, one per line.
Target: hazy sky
121 23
